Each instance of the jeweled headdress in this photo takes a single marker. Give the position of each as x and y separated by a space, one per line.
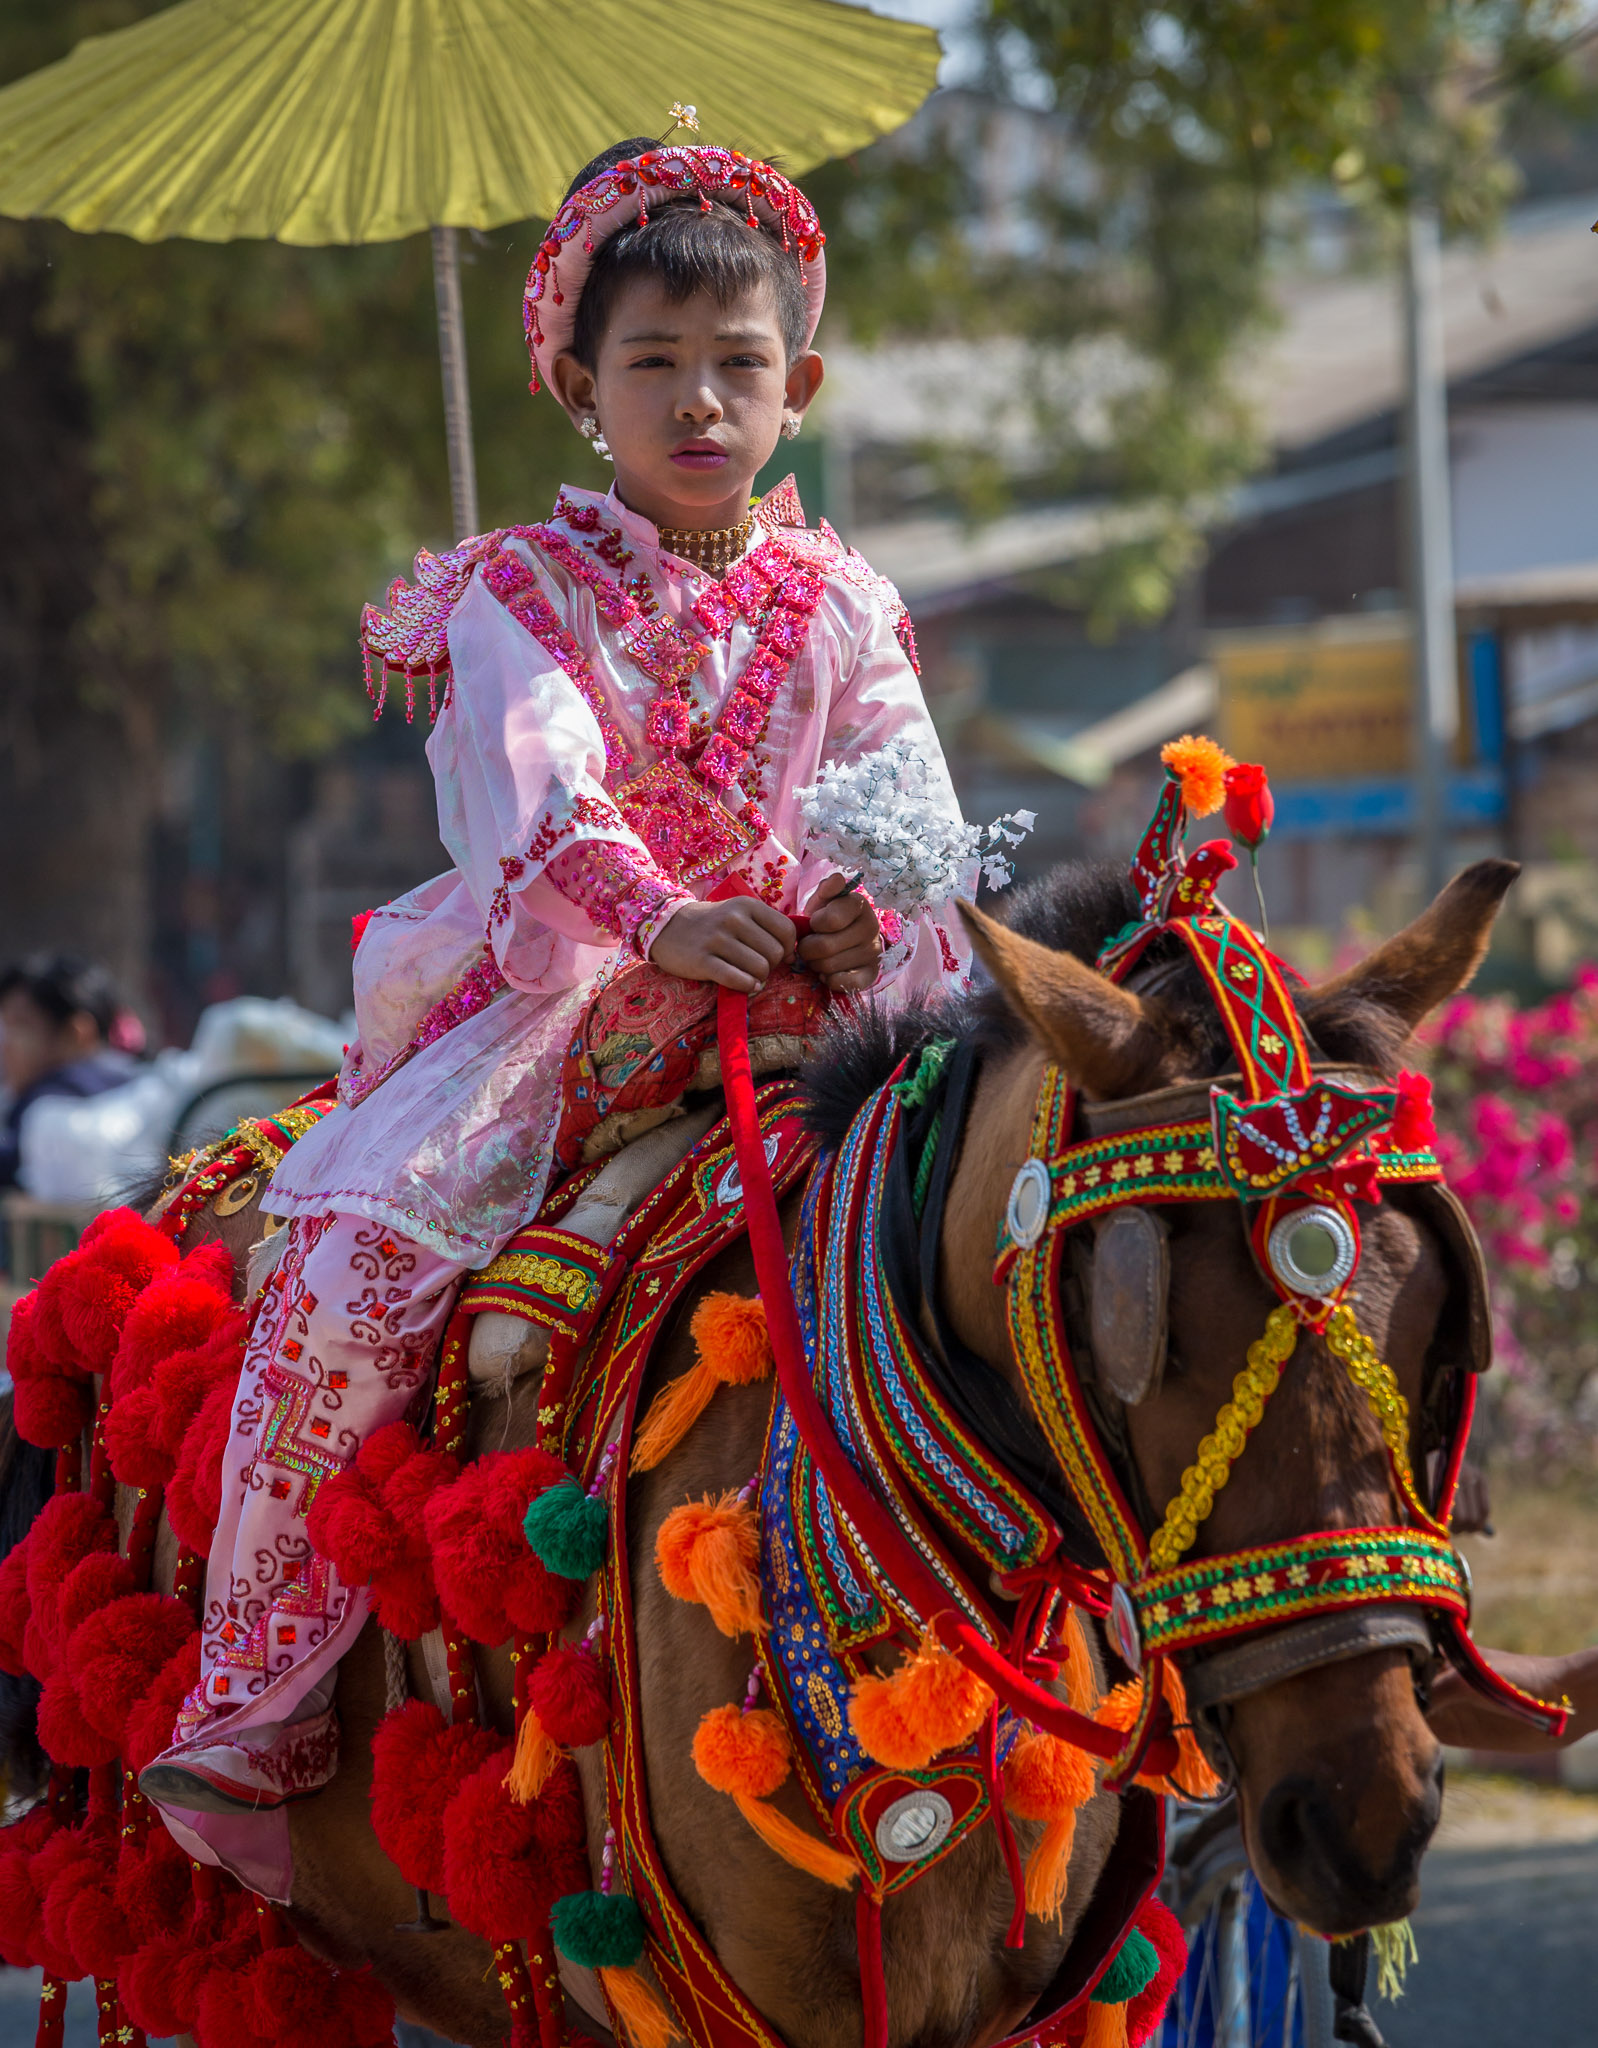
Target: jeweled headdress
624 194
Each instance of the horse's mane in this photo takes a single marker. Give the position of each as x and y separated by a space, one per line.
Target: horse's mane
1075 908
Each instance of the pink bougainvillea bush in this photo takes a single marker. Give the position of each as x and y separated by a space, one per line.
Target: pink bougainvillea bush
1517 1115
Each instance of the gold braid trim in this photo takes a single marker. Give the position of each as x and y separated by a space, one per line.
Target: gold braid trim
1374 1378
1218 1452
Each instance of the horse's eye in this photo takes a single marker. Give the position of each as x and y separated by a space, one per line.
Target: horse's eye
1313 1251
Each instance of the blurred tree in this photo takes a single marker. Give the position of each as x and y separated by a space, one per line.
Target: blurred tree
1187 121
211 456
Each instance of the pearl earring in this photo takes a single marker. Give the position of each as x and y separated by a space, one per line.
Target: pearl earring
790 426
588 427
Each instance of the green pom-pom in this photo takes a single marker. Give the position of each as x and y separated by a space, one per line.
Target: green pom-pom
1136 1966
598 1930
566 1530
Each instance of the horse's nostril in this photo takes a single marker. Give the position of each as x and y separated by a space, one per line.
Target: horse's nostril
1284 1824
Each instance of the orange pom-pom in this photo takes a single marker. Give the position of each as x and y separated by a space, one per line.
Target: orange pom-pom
709 1551
742 1752
1121 1706
930 1704
730 1330
734 1351
647 2021
1200 766
1046 1777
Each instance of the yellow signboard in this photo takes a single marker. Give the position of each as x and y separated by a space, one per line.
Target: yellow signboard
1310 702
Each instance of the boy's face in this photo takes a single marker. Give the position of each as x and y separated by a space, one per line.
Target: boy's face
691 399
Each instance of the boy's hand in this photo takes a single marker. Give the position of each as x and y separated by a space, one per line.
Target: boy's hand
735 944
845 942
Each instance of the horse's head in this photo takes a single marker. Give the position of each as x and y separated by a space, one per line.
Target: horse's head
1338 1776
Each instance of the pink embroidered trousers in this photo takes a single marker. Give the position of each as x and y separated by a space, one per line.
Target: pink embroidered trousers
343 1344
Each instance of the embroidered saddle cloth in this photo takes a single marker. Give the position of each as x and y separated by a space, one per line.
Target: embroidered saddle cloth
649 1038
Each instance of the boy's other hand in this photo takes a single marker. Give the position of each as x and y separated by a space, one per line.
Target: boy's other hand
845 942
735 944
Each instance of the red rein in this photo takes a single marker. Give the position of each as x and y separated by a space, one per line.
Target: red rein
875 1526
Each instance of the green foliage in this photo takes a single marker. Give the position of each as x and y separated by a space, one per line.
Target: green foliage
1185 126
265 441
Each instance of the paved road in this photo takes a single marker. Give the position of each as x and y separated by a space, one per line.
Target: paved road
1508 1925
1507 1931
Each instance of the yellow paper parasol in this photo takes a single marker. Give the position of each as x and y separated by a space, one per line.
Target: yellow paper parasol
363 120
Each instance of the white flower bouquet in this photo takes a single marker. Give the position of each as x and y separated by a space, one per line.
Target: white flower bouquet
885 818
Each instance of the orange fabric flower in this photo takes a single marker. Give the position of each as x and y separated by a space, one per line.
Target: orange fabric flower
1200 766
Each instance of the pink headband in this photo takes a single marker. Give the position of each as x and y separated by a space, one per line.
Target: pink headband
622 195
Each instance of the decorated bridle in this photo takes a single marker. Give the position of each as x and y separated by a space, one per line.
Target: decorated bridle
1299 1148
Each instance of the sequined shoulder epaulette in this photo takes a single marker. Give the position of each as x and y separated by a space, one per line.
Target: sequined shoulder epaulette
409 636
824 550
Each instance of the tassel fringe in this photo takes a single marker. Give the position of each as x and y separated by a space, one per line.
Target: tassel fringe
1106 2026
708 1551
1048 1868
534 1762
1395 1950
794 1845
734 1350
648 2023
1081 1684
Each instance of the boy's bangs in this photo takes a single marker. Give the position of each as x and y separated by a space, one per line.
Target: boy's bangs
689 251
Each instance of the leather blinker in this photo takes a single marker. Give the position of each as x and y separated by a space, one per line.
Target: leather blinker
1130 1279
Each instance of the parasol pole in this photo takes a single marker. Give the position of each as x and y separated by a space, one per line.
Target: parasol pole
457 394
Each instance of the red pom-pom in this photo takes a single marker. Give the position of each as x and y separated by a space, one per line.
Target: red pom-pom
1414 1127
20 1926
81 1915
185 1380
570 1693
194 1498
147 1984
295 2001
52 1405
14 1608
181 1310
66 1735
418 1765
505 1864
33 1880
223 2010
95 1287
154 1889
52 1411
150 1724
67 1528
369 1523
91 1585
1160 1926
225 1943
116 1656
489 1581
128 1433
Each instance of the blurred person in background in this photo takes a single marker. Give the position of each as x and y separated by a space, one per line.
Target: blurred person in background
62 1032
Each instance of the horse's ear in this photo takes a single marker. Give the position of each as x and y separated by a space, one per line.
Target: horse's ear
1433 958
1102 1035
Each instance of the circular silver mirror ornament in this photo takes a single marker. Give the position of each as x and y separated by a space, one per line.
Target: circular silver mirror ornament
1313 1251
914 1826
1124 1631
1027 1210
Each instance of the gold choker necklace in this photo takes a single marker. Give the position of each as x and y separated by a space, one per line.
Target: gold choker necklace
712 549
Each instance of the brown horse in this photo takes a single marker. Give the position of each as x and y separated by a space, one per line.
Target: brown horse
1338 1777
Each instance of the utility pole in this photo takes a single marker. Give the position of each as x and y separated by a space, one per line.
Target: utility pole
1431 542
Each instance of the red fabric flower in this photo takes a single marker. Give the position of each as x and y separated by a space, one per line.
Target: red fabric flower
1249 807
1413 1128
